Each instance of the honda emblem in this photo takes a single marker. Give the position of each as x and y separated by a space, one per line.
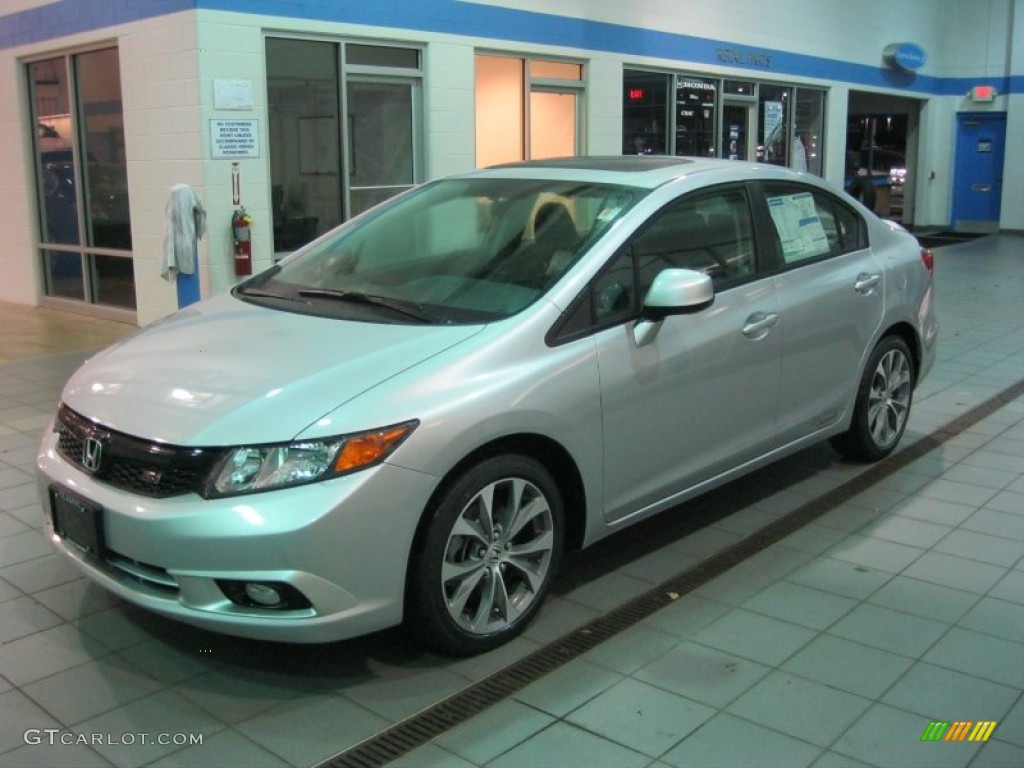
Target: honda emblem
92 454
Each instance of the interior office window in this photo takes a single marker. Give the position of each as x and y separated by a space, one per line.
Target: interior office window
344 131
500 108
82 181
526 109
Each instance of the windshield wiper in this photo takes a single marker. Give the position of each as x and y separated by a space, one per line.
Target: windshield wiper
257 294
400 307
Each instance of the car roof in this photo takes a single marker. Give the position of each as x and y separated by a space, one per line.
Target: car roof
646 171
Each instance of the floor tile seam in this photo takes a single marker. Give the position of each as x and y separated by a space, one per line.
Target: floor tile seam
833 747
977 559
819 630
106 651
976 597
659 757
917 663
997 681
912 655
653 756
920 662
737 716
72 725
976 484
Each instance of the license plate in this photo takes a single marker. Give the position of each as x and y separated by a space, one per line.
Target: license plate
77 520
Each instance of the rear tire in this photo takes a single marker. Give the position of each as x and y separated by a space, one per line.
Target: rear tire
484 563
883 403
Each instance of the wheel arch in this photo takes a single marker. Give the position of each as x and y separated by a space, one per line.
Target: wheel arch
555 458
906 332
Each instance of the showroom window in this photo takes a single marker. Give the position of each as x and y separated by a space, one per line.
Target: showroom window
678 114
345 121
85 236
527 109
790 127
665 114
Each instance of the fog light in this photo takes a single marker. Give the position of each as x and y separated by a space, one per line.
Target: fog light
263 594
274 595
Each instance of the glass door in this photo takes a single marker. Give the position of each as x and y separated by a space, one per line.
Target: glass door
382 141
554 123
737 128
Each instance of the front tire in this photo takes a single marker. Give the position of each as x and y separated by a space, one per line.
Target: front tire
483 564
883 403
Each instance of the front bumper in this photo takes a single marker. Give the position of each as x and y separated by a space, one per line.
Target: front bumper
343 544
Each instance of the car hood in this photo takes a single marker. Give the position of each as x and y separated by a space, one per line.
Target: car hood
225 372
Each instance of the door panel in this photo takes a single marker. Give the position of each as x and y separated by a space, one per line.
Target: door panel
381 141
831 293
697 400
978 187
736 121
830 311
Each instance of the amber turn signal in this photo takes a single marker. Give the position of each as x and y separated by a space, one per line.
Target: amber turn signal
370 447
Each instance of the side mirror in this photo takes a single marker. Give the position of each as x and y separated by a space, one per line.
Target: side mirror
678 292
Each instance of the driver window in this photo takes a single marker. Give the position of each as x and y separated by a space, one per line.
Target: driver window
710 233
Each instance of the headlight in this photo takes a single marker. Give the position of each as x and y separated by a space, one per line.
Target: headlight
249 469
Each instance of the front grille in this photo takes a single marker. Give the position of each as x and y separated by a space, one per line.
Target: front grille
131 463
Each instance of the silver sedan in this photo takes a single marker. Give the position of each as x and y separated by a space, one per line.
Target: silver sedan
410 419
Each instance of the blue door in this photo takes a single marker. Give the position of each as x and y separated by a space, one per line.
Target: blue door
978 176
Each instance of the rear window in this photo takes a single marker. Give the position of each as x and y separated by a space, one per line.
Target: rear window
812 224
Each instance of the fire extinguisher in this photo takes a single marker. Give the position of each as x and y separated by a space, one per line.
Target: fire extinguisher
241 228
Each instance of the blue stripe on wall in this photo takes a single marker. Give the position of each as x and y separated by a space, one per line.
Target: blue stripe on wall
499 24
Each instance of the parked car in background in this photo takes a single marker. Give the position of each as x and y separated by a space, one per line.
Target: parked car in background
411 418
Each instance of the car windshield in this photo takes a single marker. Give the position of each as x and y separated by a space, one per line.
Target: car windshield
454 251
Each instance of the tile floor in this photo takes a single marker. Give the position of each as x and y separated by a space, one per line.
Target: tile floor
834 647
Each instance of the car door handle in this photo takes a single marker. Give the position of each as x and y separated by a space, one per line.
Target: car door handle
866 283
759 324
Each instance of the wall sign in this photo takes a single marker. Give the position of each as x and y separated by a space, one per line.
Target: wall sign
983 93
234 138
233 94
744 57
908 57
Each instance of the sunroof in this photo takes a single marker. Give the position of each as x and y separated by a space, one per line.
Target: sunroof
619 163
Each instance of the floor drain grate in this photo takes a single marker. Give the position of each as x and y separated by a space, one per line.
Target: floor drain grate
405 736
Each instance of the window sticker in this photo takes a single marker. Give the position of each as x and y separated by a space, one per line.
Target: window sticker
799 226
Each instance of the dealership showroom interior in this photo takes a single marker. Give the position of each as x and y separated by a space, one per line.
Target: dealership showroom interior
380 383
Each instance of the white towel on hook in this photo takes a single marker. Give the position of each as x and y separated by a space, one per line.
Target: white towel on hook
184 225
